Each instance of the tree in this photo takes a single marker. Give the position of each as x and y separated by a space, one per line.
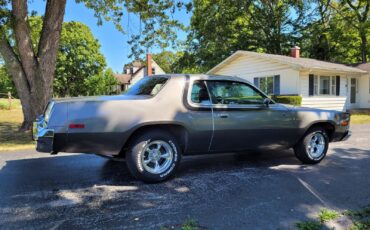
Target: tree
79 58
331 33
166 60
357 15
177 62
328 37
6 83
100 84
33 70
274 23
219 28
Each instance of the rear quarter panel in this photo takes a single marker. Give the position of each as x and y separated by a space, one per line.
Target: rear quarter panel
307 117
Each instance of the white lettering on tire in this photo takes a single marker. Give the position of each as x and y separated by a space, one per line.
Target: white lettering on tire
138 156
174 160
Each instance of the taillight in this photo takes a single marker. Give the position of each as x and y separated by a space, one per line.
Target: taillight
48 111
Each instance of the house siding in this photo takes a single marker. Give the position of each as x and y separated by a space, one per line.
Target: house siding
323 102
249 67
143 72
294 79
364 89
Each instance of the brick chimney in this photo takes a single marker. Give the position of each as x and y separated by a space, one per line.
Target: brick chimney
149 64
294 51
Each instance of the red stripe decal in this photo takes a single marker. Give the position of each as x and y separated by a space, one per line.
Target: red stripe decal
76 126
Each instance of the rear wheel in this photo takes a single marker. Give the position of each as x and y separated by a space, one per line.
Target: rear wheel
153 156
313 146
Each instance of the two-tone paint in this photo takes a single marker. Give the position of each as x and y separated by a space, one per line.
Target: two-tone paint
104 125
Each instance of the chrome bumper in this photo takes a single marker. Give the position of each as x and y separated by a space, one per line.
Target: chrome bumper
43 136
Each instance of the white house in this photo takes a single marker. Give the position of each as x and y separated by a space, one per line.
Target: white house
321 84
135 71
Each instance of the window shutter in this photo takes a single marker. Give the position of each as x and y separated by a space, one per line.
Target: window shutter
337 85
310 85
277 85
256 82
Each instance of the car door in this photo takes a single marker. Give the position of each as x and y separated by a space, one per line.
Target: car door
243 122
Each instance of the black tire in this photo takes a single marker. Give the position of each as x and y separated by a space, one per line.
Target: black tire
301 148
136 155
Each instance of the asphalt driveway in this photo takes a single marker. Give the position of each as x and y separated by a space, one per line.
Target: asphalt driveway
265 191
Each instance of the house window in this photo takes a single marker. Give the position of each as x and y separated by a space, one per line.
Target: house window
315 85
266 84
333 85
324 85
153 70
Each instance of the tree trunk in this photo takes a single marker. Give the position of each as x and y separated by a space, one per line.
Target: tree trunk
363 46
33 73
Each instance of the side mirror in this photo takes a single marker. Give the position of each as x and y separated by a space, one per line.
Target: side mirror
267 101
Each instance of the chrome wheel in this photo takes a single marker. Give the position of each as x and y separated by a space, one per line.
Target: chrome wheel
157 157
316 145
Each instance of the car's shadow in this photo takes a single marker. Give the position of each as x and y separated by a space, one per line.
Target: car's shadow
89 183
117 172
84 170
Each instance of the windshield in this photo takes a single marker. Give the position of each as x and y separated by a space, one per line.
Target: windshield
149 86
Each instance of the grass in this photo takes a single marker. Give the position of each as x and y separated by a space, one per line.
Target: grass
360 218
360 119
189 224
309 225
10 121
328 215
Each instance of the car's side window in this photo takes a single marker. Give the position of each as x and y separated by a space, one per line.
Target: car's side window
234 93
199 93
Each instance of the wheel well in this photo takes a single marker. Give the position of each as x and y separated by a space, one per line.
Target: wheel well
329 128
178 131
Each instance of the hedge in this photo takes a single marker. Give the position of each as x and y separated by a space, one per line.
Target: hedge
288 99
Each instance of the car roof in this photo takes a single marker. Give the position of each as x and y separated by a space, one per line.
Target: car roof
204 77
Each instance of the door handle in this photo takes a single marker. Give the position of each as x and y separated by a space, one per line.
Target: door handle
223 115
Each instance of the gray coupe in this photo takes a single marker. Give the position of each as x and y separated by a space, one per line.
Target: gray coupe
163 117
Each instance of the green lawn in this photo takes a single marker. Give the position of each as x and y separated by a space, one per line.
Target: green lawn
360 119
10 121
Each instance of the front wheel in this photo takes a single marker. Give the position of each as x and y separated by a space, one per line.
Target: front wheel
313 146
154 156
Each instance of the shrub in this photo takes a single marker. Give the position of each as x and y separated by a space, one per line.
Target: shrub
288 99
328 215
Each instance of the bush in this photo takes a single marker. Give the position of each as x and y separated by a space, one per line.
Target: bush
288 99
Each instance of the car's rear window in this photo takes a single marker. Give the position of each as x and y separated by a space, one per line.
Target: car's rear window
149 86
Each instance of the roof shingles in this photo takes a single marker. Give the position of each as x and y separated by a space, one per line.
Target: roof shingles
303 63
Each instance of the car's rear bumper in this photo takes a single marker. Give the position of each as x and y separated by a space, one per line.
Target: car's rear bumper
43 136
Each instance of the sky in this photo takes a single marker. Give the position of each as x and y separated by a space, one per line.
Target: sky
113 43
